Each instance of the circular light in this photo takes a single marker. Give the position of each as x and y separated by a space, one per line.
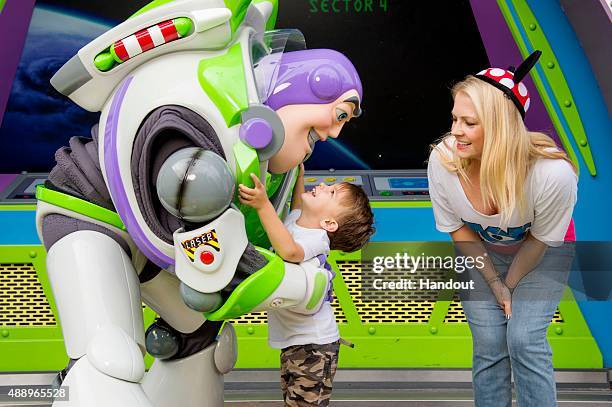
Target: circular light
207 257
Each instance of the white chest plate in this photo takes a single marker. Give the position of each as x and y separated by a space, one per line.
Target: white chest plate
206 258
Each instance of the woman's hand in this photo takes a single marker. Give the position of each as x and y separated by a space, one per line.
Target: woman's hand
502 295
257 197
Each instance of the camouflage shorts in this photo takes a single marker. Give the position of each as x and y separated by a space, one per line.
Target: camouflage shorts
307 373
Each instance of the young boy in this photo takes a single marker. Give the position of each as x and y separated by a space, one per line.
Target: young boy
336 217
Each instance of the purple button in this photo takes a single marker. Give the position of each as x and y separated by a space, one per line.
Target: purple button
256 132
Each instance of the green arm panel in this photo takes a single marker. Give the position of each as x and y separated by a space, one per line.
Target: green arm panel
223 80
78 205
247 162
252 291
553 75
239 10
318 290
2 3
273 182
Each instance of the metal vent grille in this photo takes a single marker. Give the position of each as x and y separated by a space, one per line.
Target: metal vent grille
260 317
23 302
455 314
22 299
253 318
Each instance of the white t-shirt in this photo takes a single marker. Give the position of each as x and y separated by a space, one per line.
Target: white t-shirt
313 241
288 328
550 193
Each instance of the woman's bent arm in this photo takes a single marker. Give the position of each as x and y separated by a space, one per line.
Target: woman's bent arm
469 244
526 259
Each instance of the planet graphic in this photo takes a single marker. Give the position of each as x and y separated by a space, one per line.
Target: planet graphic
39 120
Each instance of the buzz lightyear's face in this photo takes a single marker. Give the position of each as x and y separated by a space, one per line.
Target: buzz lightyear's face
305 124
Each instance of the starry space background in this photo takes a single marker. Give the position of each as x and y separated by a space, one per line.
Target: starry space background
408 55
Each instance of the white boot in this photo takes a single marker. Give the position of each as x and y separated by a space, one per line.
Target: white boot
97 294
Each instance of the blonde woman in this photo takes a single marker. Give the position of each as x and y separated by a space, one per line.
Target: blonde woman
507 194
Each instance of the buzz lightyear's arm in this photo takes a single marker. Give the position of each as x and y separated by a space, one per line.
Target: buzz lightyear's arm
282 241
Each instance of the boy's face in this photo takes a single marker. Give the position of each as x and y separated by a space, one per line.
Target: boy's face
325 202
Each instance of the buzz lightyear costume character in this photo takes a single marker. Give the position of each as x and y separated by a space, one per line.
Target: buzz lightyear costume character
194 95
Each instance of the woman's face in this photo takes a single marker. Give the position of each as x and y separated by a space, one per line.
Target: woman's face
467 128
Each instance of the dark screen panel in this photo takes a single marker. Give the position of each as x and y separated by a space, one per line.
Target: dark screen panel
407 57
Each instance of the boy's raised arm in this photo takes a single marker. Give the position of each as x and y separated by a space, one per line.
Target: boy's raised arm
298 190
282 241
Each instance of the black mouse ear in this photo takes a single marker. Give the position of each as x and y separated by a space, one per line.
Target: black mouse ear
526 66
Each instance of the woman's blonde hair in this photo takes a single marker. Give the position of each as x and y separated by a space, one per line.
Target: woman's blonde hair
508 152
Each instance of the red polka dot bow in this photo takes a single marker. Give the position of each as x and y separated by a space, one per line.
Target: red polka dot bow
509 81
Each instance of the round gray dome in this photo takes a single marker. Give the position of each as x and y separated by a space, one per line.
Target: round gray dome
195 184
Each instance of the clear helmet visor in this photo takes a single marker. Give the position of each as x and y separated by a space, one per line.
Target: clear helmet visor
266 52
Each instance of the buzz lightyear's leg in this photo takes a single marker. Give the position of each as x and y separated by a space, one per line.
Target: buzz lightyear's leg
191 354
97 295
191 358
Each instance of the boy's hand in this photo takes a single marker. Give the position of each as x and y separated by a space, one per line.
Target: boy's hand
254 197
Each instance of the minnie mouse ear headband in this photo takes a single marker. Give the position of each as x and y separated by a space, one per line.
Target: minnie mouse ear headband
509 81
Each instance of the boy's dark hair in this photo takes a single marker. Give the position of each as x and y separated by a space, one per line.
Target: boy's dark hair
356 225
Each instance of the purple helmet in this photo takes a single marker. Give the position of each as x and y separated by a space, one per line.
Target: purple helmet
314 76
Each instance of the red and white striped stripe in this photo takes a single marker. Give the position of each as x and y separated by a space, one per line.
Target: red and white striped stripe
145 40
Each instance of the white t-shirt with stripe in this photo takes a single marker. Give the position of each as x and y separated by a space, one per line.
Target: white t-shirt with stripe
550 192
286 327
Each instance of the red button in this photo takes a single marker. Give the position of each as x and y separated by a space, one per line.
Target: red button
207 257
